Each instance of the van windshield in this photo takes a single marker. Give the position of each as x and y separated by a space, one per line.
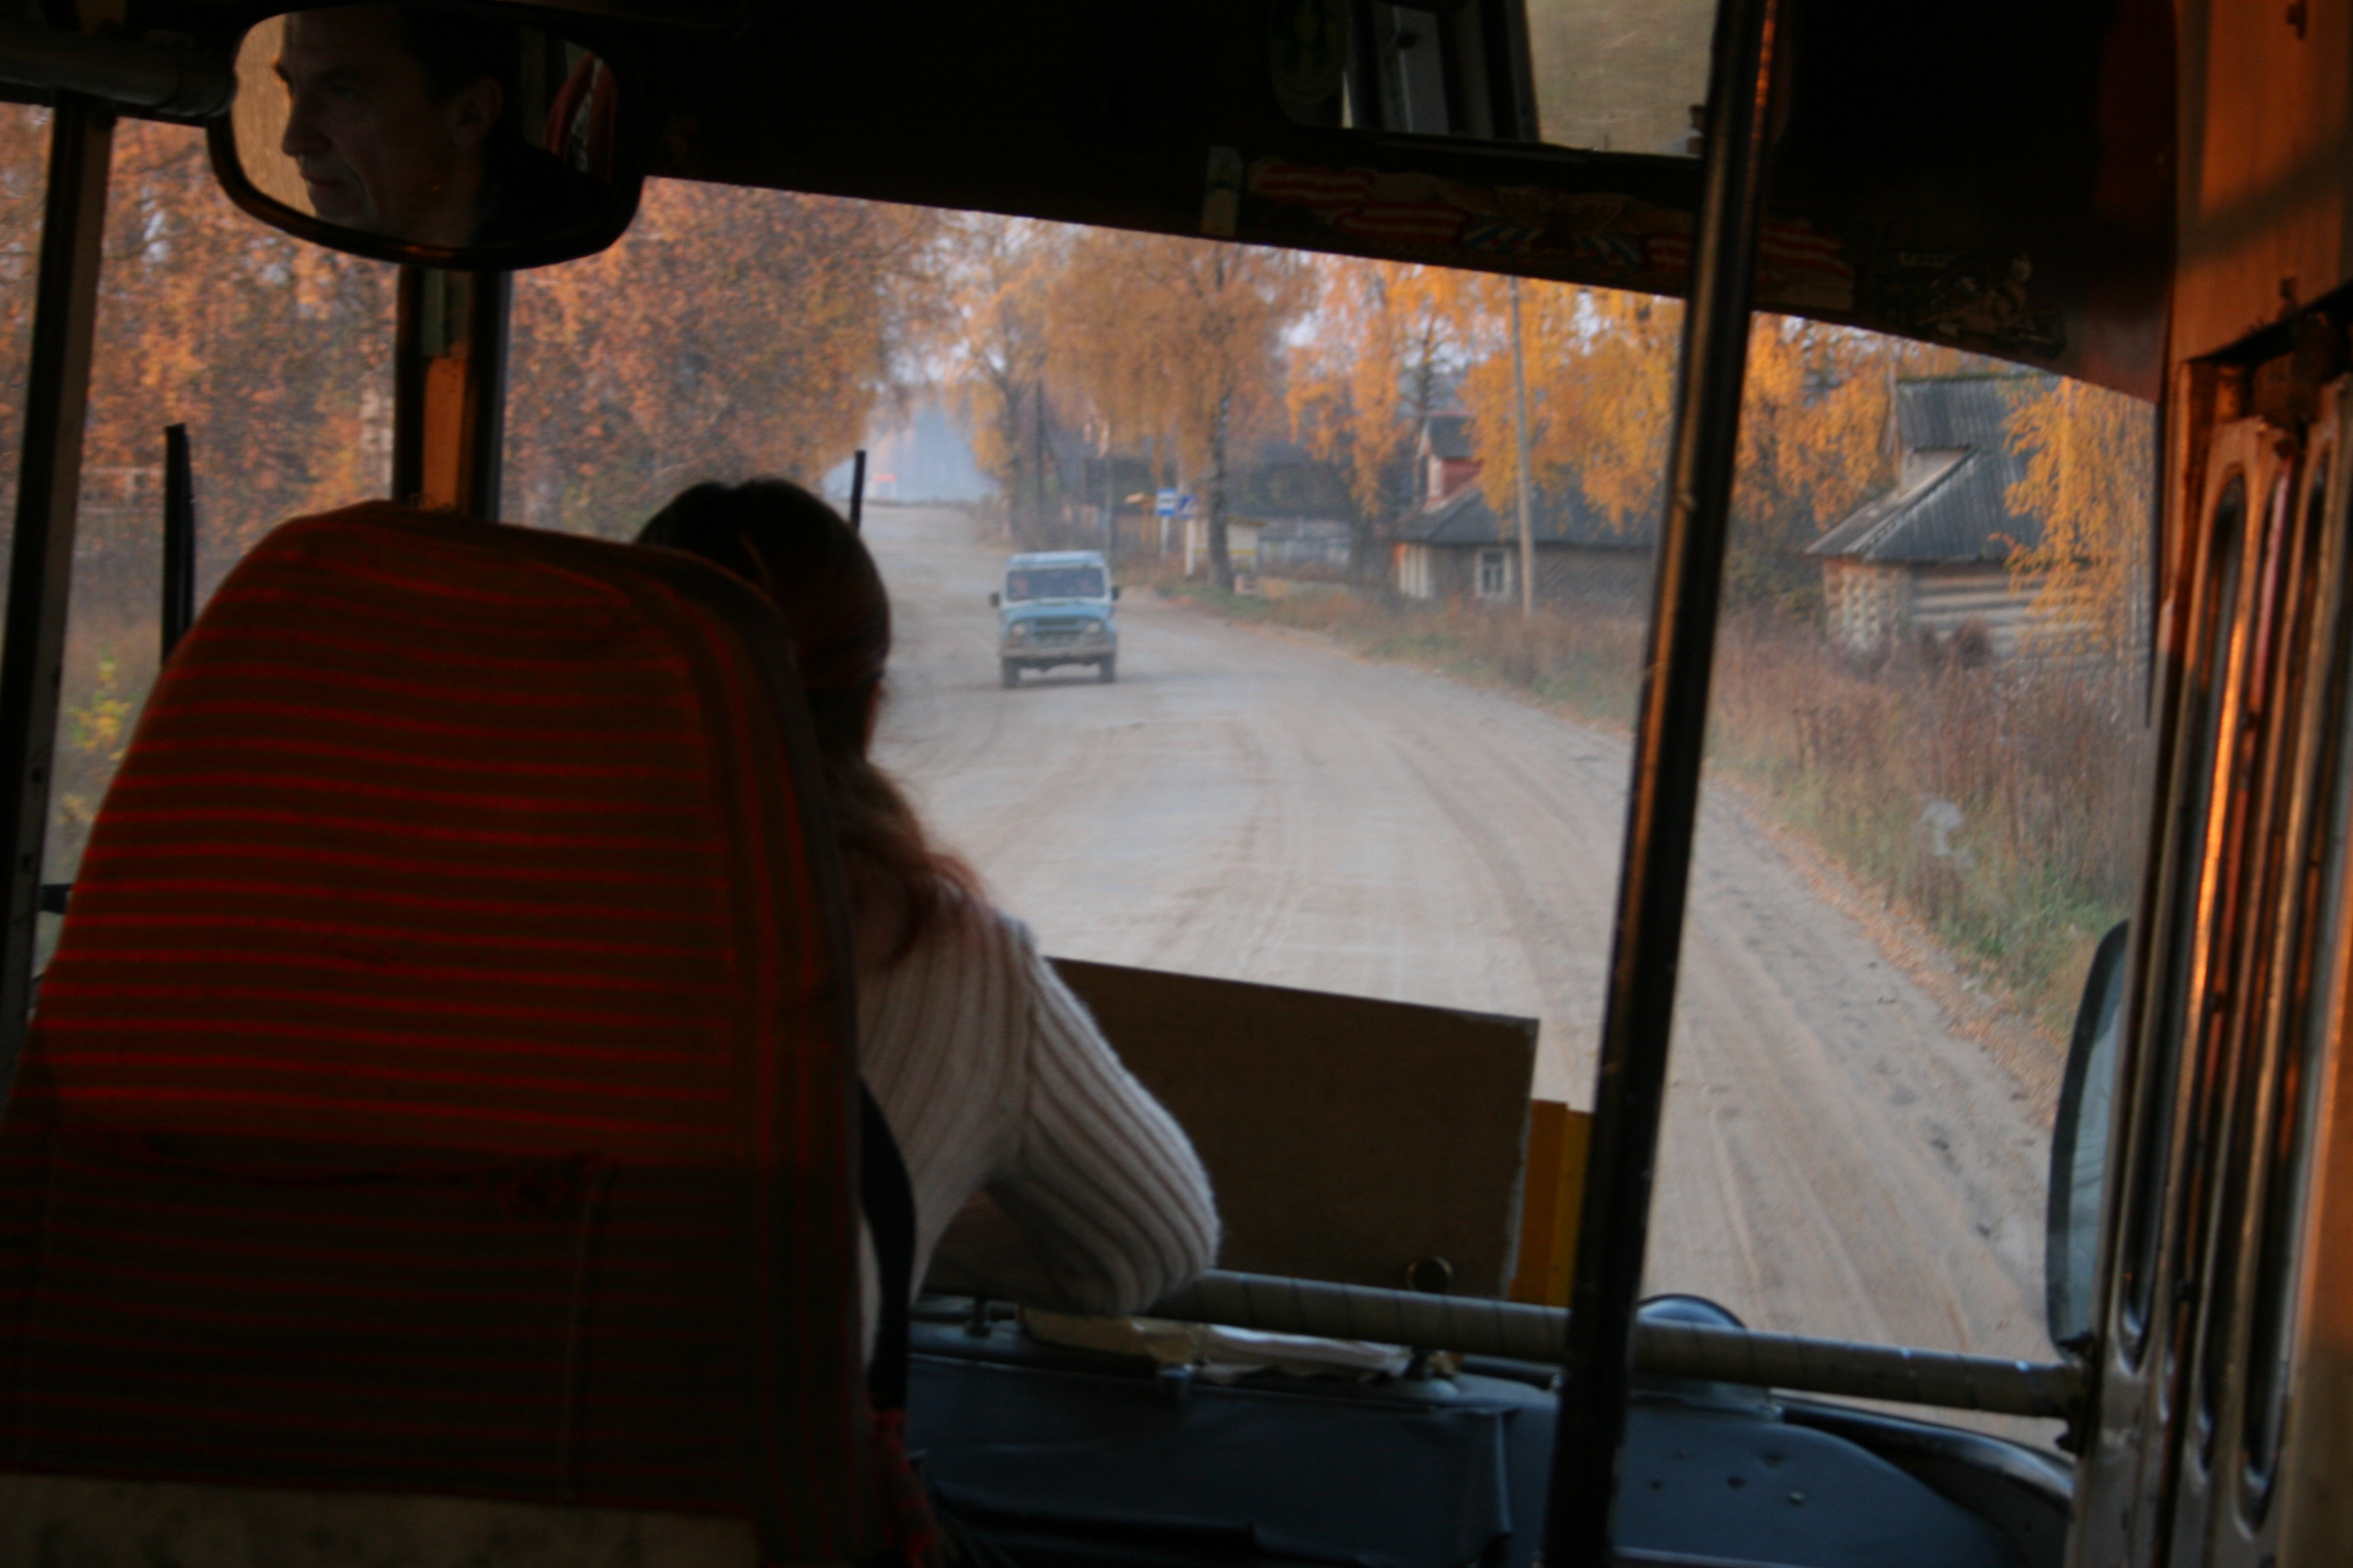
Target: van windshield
1054 583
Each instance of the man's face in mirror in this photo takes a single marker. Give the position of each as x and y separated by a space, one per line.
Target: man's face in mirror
378 148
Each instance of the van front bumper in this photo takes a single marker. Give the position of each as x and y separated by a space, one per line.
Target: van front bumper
1046 651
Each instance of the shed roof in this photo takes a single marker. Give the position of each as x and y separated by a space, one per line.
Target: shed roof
1466 519
1953 503
1448 435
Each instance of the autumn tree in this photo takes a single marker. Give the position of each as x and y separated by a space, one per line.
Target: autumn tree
2080 443
1182 336
999 276
1815 437
1600 368
730 332
1814 445
1388 342
275 354
24 155
1096 369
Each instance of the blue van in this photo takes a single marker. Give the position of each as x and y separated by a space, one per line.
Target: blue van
1056 609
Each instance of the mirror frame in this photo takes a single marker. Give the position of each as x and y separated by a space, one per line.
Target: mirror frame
630 136
2104 994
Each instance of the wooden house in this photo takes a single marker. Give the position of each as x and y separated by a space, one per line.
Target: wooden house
1455 546
1287 514
1930 558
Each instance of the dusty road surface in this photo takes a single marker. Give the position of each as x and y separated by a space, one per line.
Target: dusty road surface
1263 807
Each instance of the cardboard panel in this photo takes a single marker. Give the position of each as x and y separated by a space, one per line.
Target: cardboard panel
1349 1139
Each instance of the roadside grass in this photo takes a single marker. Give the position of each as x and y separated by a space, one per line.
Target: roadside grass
1998 804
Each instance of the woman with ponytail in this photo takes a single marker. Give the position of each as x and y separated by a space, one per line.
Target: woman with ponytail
993 1078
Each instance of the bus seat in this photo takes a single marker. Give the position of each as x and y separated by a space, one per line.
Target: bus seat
82 1521
444 1086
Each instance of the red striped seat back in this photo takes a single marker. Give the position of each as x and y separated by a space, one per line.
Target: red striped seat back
444 1082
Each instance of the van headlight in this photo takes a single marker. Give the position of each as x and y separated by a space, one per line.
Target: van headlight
1095 628
1020 629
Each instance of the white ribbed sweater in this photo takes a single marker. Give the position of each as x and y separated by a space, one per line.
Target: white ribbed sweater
994 1078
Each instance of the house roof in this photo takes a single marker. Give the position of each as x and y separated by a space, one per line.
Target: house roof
1953 502
1273 492
1465 518
1448 435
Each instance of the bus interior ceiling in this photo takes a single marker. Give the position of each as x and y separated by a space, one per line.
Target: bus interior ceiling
1996 179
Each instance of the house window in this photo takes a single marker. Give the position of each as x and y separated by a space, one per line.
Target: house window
1413 571
1495 573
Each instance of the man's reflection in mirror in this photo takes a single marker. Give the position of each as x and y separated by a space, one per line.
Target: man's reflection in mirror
403 123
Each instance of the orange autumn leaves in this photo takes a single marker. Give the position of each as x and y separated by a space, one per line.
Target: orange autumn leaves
1600 373
730 332
2092 557
1396 341
736 331
1388 341
275 354
1169 349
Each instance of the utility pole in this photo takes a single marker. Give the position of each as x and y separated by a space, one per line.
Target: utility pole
1520 435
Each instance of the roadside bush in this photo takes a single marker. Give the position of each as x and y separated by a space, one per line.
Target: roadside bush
1998 801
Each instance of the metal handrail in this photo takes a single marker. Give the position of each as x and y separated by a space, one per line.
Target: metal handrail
1519 1331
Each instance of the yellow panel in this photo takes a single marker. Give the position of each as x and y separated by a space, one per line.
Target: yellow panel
1550 1207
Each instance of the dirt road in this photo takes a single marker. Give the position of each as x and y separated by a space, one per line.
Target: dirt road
1263 807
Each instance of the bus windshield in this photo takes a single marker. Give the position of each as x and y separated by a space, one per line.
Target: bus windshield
1054 583
1370 733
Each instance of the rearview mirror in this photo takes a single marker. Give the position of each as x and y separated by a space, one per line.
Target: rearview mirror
993 601
410 134
2079 1146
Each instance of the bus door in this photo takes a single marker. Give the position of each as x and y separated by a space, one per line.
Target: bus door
2190 1427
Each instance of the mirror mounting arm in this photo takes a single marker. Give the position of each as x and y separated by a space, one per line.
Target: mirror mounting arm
450 389
181 82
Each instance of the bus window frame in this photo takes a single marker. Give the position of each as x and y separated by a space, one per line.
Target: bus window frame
48 490
2211 1038
2312 972
2279 816
2206 706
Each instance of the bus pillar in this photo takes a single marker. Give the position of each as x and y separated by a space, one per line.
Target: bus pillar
1663 805
450 389
40 568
